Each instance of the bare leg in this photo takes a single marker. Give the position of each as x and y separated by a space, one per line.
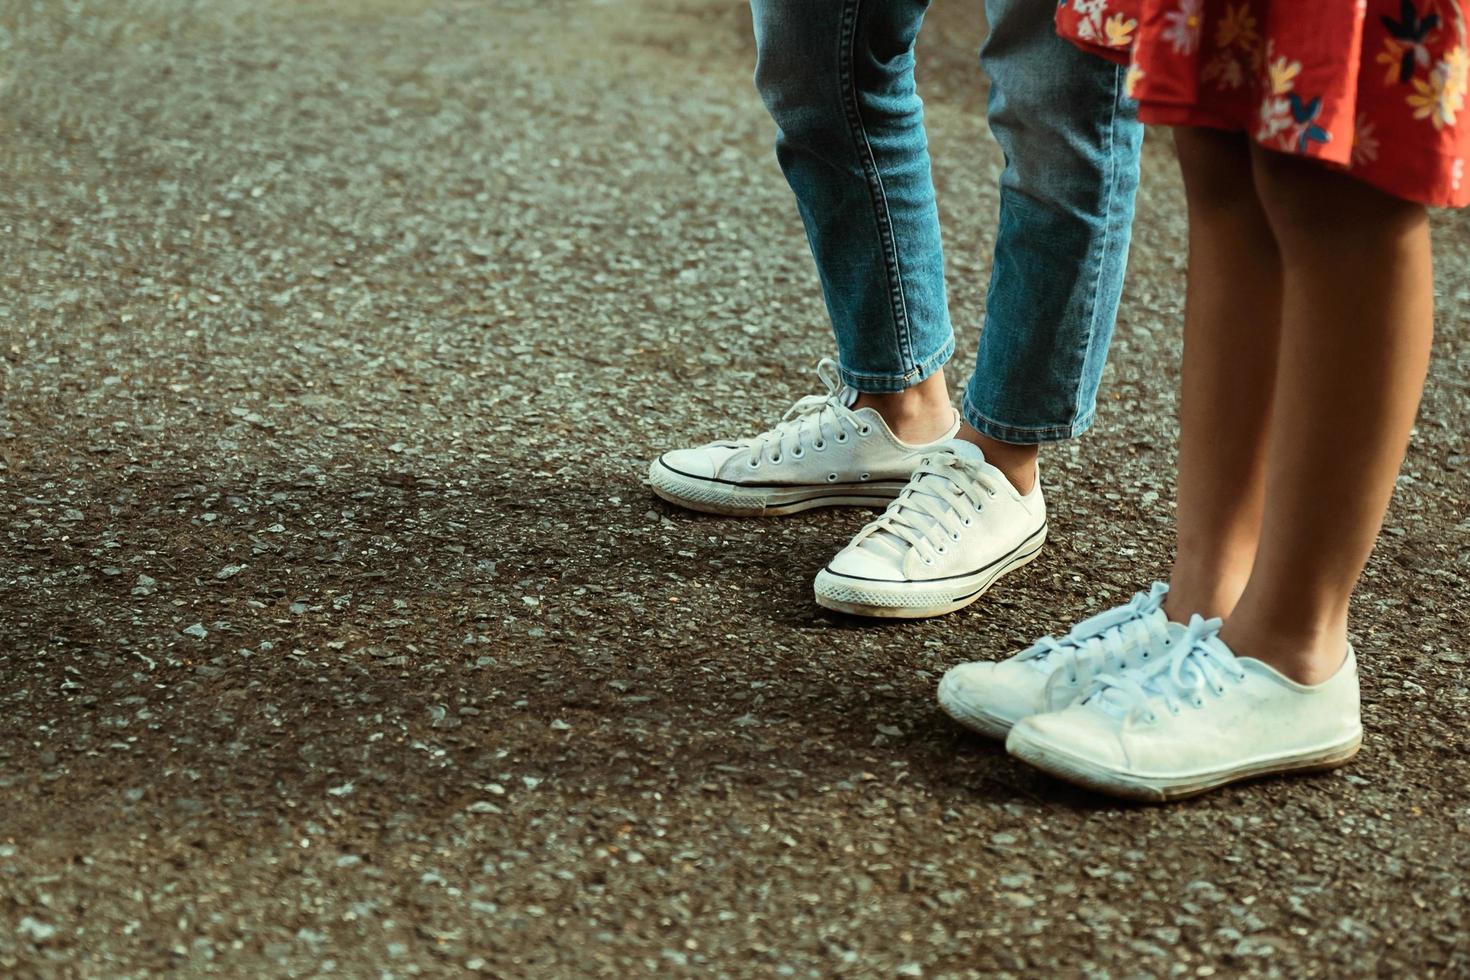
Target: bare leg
921 413
1232 324
1016 461
1358 319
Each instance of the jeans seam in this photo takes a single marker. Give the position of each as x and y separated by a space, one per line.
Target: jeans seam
1111 180
878 195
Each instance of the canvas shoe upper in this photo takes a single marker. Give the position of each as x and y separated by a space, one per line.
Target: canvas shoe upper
822 453
1199 718
991 696
956 528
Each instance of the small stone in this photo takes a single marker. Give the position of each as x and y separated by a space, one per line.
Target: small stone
36 931
197 631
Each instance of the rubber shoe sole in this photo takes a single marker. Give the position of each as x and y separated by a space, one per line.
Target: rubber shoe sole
1063 765
974 718
918 600
710 496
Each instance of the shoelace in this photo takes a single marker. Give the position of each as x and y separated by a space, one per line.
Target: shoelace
925 515
1198 662
825 415
1100 644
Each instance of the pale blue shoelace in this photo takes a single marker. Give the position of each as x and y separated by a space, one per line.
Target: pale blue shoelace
1099 644
1198 663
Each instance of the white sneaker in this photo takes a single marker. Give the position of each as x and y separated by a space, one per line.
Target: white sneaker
823 453
1200 718
957 527
989 697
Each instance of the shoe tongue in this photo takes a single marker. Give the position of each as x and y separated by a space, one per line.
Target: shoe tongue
847 396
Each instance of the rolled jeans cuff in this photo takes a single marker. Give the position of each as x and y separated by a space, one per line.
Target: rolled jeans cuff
886 384
1022 435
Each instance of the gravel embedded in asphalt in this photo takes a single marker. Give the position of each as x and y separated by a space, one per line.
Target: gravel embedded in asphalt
338 630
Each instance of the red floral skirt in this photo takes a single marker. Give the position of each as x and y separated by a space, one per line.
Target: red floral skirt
1377 87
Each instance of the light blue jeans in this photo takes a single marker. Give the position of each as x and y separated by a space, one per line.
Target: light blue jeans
838 77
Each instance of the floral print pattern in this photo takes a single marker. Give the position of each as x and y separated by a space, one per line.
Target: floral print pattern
1376 87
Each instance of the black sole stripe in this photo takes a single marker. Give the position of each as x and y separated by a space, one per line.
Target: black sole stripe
750 486
983 568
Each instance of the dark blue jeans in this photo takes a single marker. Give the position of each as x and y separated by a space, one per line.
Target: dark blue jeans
838 77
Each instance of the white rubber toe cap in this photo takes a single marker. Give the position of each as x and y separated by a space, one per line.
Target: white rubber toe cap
703 462
865 564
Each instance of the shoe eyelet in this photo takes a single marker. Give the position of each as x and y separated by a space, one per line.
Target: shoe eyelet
755 463
942 549
955 536
928 561
819 446
842 437
831 477
864 476
865 430
798 453
967 522
775 459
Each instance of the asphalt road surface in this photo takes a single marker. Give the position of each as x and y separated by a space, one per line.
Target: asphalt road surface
338 632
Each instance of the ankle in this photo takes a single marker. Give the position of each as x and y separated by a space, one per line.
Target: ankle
1206 593
915 415
1308 655
1016 461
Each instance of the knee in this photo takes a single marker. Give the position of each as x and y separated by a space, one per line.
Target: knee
1071 142
788 75
815 66
1216 167
1279 180
1309 203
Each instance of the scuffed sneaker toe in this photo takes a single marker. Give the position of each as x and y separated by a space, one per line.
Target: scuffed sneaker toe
702 462
863 563
968 694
